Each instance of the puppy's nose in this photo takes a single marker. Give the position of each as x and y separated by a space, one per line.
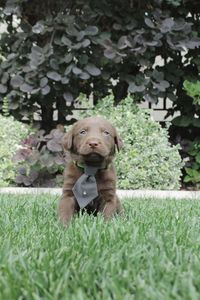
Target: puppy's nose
93 144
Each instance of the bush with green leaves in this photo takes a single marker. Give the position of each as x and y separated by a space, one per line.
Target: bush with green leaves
185 127
192 168
147 160
191 143
11 134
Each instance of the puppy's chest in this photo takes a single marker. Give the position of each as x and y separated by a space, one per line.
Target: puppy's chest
104 180
94 205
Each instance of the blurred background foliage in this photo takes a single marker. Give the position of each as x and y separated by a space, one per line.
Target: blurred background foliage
54 50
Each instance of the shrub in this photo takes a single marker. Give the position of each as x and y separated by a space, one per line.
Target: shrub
40 159
147 161
11 133
191 144
185 128
192 169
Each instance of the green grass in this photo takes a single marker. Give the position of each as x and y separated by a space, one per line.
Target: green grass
152 252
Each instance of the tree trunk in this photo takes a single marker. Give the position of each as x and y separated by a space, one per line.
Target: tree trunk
47 122
61 107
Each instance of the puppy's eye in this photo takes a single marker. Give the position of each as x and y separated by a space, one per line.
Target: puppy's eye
105 132
83 132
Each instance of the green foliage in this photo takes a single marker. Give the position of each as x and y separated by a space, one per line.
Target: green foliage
5 107
190 119
191 146
185 129
11 133
58 49
193 168
152 252
193 90
147 160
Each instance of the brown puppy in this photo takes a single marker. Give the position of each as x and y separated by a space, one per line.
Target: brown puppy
92 142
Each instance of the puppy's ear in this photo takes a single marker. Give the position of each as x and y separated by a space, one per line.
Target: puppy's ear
118 142
68 140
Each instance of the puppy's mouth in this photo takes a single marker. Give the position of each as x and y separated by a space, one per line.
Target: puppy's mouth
93 158
96 154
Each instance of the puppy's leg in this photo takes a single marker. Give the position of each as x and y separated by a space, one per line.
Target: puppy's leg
119 206
66 208
110 207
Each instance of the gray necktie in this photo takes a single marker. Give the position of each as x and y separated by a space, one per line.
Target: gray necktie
85 188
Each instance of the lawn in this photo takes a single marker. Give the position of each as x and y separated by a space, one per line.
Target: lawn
151 252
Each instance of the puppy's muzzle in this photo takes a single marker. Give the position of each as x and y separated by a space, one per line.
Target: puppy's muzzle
93 143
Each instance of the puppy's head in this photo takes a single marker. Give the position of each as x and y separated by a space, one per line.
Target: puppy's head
92 140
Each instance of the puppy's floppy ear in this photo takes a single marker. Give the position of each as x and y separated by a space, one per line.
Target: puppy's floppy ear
68 140
118 142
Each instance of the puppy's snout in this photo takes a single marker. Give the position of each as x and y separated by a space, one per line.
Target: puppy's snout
93 143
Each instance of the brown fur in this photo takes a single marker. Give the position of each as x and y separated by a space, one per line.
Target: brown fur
93 141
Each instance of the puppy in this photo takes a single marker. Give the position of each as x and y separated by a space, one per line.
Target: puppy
92 143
